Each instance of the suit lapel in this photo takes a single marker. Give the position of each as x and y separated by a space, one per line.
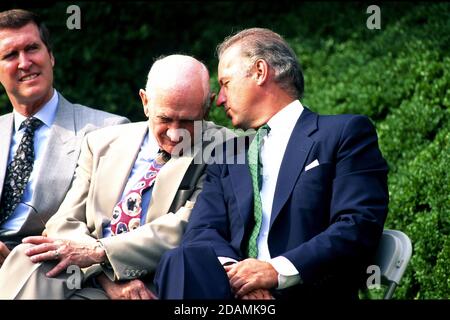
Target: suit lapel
57 167
242 186
243 190
6 131
60 154
166 186
113 171
294 158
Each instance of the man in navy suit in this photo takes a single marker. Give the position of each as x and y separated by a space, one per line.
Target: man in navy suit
306 219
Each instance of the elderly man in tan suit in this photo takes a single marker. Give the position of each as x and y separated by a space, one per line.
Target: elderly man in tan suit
89 232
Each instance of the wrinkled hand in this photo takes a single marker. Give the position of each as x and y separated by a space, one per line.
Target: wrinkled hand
258 294
4 252
131 289
249 275
68 252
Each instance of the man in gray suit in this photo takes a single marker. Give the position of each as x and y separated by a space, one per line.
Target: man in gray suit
41 139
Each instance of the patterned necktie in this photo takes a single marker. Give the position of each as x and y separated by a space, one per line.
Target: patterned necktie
255 171
127 213
19 170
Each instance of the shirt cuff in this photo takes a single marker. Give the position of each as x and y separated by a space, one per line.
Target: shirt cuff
105 263
224 260
288 275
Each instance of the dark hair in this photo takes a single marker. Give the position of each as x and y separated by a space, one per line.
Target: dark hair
18 18
260 43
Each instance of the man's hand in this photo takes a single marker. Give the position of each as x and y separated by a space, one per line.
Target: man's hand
132 289
68 252
4 252
251 274
258 294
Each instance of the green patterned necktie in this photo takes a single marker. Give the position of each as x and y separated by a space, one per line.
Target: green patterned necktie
255 171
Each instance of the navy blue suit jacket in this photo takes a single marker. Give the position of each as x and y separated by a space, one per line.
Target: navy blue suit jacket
327 221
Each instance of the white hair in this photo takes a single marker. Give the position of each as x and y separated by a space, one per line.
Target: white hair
178 72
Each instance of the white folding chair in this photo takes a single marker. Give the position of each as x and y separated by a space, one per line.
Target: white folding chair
392 257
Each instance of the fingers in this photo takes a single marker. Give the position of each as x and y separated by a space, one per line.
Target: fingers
254 295
246 288
266 295
137 290
36 240
259 294
60 267
229 267
146 294
134 294
40 251
231 272
4 252
236 283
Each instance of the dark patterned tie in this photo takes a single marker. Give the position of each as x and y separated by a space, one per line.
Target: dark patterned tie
127 213
254 164
19 170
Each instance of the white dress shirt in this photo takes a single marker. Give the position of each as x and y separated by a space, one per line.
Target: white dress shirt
41 136
149 150
272 152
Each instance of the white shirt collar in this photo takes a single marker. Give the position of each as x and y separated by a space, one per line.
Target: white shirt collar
150 146
46 114
285 119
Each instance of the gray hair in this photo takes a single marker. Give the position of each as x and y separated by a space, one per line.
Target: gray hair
260 43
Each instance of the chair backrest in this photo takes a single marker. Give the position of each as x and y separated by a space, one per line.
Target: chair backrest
392 257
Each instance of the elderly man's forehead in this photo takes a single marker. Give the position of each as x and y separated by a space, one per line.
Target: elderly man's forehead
177 71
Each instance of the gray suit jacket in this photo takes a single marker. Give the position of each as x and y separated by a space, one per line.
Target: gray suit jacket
72 122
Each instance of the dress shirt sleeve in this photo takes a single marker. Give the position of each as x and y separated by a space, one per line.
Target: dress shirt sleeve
225 260
288 275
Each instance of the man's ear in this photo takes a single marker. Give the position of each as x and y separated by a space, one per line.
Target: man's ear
261 71
144 100
52 58
211 100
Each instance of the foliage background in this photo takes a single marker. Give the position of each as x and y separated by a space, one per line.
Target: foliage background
399 76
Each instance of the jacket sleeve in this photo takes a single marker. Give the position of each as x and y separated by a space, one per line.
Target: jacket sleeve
209 223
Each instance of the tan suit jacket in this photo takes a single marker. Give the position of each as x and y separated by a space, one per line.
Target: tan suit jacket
105 162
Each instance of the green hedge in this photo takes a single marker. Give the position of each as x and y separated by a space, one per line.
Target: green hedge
399 76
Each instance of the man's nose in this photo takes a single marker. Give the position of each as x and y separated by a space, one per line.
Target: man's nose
174 133
221 99
24 61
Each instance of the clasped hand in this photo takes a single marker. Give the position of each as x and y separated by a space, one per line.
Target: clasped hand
66 251
252 279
